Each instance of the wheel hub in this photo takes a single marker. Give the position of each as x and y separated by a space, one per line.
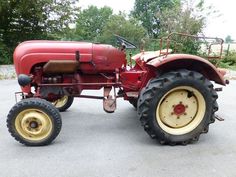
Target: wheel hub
179 112
179 109
33 124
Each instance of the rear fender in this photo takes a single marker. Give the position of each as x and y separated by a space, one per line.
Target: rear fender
190 62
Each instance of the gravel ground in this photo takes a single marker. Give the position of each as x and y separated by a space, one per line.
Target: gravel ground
93 143
7 72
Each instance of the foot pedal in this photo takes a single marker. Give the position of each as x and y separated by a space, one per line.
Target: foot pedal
109 103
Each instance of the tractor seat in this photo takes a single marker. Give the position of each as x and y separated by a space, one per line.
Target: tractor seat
148 55
153 54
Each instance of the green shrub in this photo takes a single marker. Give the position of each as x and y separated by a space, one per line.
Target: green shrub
230 58
228 61
5 54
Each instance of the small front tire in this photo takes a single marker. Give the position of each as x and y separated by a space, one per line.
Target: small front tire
34 122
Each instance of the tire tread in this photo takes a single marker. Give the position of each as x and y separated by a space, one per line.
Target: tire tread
146 96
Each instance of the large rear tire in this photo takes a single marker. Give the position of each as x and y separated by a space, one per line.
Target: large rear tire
34 122
177 107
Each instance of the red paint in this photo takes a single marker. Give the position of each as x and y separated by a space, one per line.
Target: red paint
94 58
100 65
179 109
179 61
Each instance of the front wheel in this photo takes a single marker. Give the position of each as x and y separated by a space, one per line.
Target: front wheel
34 122
177 107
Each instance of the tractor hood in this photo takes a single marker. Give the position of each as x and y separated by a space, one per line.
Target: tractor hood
30 53
93 57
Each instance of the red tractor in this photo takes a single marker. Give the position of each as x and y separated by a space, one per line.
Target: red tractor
173 93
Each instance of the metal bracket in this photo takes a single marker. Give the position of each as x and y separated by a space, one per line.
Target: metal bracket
219 118
109 103
21 94
218 89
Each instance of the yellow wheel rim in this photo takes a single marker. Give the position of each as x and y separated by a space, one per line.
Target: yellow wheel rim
180 110
60 102
33 124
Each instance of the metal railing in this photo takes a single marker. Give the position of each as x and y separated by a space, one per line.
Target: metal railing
175 40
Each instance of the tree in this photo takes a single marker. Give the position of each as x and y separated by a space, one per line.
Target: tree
128 28
90 22
228 39
100 25
22 20
147 12
192 15
188 17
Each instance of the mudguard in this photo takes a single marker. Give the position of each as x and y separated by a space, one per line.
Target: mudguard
191 62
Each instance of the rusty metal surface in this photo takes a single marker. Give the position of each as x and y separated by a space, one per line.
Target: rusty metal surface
209 41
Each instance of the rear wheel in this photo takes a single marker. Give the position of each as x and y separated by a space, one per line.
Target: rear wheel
177 107
34 122
63 103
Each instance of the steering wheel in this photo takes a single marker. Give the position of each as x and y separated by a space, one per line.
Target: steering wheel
124 43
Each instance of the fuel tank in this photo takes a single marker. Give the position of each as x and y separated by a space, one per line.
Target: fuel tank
94 58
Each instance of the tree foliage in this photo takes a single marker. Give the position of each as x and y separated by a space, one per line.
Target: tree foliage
186 16
128 28
183 19
161 17
228 39
22 20
90 22
100 24
147 12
